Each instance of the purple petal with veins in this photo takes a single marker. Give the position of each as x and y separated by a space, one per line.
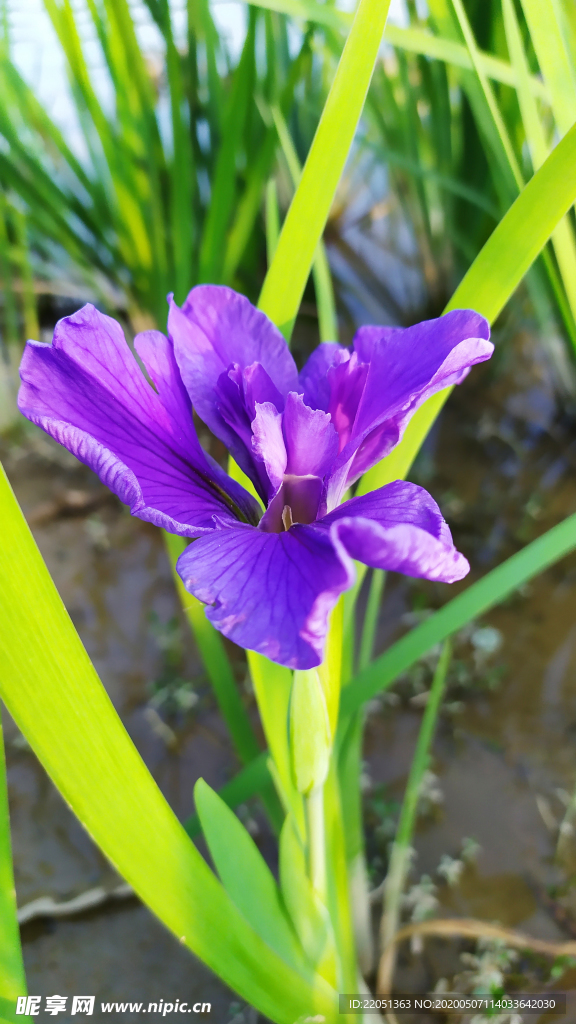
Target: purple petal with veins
87 391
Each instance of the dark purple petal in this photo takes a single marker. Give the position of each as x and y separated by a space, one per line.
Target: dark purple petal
400 528
347 382
87 391
398 502
272 592
310 438
234 408
297 448
402 548
269 592
314 376
215 329
406 367
296 501
268 443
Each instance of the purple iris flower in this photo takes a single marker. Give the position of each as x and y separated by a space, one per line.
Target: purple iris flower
269 574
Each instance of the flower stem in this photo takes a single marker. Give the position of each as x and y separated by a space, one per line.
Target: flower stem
371 617
317 841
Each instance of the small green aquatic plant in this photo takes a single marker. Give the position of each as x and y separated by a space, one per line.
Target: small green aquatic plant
278 560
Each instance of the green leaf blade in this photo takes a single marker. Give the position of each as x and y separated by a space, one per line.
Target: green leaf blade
12 979
308 213
474 601
492 279
53 693
246 876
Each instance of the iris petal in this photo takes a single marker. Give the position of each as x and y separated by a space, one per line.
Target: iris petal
269 592
87 390
406 367
215 329
400 528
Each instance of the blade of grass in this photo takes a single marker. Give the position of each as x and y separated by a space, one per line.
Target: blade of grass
224 180
247 783
472 602
246 876
308 213
492 279
10 317
338 883
248 208
260 169
412 40
487 91
350 766
31 326
399 863
12 979
135 112
556 62
54 695
327 323
272 217
181 167
563 235
371 617
134 240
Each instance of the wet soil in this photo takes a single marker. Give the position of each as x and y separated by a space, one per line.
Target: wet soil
502 465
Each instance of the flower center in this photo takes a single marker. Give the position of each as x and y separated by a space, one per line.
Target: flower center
296 501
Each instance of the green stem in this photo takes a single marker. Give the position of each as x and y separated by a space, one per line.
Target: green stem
272 217
338 883
371 617
400 857
349 772
221 676
317 841
12 979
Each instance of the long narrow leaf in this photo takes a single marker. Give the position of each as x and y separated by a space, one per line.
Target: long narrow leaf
246 876
474 601
553 53
306 218
563 235
53 693
250 781
327 323
493 277
412 40
12 980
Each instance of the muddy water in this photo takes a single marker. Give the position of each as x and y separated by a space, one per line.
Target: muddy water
502 465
